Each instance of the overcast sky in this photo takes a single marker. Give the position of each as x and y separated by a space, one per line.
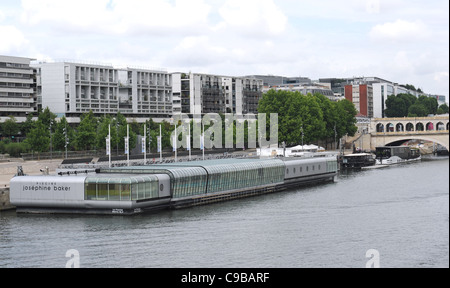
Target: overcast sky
405 41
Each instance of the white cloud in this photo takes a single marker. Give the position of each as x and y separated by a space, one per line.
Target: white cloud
13 39
441 77
373 6
400 31
116 16
254 17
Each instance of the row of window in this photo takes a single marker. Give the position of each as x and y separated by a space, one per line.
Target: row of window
313 168
113 190
227 177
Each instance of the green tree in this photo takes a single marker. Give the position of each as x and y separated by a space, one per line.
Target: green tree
10 127
86 132
417 110
443 109
102 132
330 116
48 119
59 137
423 107
296 113
398 105
28 124
38 138
346 113
122 133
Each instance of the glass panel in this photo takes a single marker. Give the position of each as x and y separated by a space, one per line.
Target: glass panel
102 191
90 191
125 192
114 192
147 193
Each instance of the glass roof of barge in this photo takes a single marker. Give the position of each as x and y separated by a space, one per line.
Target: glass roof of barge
194 164
120 179
195 168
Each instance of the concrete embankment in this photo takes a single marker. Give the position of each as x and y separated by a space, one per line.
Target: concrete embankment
4 199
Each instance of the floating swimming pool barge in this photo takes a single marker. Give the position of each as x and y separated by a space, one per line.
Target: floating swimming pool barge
138 189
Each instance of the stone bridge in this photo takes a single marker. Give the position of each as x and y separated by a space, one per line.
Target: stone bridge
384 131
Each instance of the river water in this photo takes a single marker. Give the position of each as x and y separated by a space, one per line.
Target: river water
402 212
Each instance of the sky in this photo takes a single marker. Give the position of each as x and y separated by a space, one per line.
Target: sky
404 41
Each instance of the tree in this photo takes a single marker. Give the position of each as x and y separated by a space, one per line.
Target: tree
346 113
329 112
59 137
297 113
103 131
417 110
443 109
10 127
48 118
38 138
28 124
398 105
86 132
423 106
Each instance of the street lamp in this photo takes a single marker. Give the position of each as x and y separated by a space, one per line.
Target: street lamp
51 148
66 138
301 129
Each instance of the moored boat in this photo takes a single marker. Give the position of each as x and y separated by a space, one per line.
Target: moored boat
357 160
386 155
137 189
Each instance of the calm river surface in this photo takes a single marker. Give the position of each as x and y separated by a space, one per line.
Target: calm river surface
401 211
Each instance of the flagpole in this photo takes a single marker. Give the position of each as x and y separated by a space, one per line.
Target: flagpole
160 145
128 146
189 142
109 145
203 140
145 144
175 140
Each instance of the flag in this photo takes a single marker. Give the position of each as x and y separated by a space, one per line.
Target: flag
144 146
108 146
159 143
126 145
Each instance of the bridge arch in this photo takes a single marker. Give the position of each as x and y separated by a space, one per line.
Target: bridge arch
399 127
440 126
409 127
390 127
424 138
380 128
420 127
429 126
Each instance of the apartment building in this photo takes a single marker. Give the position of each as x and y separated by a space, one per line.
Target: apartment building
203 93
72 88
361 95
17 93
305 89
369 94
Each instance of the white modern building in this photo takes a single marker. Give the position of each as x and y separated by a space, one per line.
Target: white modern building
17 94
195 93
310 88
72 88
